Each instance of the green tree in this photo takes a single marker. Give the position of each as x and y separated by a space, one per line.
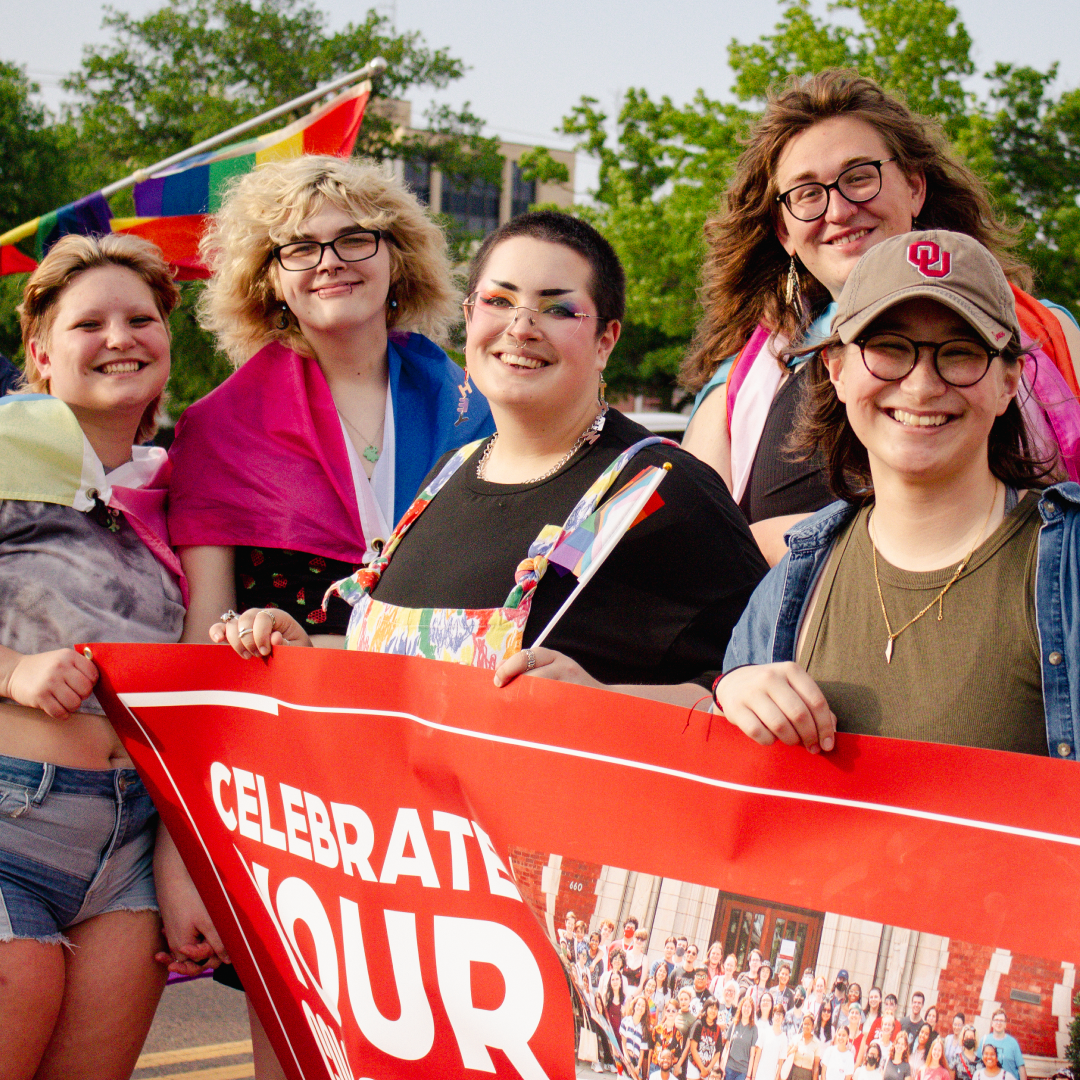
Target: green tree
36 175
194 68
663 167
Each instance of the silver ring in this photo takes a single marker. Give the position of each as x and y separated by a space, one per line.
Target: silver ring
247 630
228 616
532 660
270 612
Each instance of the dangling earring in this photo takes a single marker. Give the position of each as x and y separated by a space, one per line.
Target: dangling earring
283 316
465 389
600 397
792 289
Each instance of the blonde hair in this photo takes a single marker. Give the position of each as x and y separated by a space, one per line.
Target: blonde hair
264 208
71 256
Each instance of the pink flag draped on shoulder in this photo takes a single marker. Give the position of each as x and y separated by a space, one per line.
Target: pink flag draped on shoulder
261 460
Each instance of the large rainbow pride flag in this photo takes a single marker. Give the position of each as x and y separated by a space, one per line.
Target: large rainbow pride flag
171 207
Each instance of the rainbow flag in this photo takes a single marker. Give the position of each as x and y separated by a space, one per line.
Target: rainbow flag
13 261
196 185
589 544
178 237
89 215
583 551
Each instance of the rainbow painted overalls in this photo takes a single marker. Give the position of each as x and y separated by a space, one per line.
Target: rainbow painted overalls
480 637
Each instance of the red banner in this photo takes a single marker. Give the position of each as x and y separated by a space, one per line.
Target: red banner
348 818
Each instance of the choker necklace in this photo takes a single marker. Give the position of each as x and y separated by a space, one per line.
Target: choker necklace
589 435
893 635
370 451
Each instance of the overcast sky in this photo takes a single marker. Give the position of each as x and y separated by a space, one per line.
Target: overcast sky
530 62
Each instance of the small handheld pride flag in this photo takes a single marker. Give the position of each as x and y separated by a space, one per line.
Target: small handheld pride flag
583 551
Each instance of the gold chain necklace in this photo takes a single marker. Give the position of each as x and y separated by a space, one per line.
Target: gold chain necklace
589 435
940 596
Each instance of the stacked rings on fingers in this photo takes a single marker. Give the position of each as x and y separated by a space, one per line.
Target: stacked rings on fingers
228 616
532 660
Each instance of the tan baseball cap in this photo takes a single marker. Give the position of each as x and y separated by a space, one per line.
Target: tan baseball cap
952 268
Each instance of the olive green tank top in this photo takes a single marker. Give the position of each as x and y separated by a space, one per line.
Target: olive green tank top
972 679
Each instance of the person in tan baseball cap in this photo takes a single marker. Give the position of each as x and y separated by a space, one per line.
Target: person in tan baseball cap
909 609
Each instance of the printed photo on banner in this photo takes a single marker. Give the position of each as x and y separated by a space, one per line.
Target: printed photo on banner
662 965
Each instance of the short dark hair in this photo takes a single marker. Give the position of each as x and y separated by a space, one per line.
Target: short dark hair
918 994
607 281
962 1018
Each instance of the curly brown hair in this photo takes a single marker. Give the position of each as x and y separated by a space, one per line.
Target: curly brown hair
745 269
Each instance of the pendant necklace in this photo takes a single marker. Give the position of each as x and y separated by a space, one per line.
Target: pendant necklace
371 452
893 635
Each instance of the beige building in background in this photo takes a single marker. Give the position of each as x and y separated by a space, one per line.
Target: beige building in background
480 206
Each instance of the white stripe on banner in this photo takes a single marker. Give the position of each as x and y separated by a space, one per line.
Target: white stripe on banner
265 704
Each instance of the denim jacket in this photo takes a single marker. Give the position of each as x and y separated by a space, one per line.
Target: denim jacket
769 628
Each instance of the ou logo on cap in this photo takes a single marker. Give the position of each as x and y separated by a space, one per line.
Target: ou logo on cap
929 259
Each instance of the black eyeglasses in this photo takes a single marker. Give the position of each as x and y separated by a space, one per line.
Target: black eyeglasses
890 357
351 247
858 184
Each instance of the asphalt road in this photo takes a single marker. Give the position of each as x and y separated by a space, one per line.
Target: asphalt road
200 1033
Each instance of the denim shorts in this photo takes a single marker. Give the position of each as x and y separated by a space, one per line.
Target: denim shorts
74 843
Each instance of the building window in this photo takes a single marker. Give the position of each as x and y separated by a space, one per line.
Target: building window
473 205
523 193
418 180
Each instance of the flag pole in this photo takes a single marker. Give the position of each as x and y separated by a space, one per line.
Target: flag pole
370 70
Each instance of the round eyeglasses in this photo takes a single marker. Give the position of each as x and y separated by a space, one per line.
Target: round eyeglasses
858 184
891 357
350 247
495 315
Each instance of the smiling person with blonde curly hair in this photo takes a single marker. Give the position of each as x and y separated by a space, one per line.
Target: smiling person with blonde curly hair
329 283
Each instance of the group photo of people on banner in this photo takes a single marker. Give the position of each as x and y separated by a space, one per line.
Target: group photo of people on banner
871 529
692 1016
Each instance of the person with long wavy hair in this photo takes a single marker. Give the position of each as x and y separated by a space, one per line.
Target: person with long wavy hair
834 166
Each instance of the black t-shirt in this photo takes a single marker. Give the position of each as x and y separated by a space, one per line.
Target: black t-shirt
708 1040
779 483
660 609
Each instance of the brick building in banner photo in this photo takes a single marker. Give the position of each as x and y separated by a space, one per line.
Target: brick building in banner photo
1035 992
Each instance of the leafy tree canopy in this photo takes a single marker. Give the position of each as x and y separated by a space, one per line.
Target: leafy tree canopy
190 70
664 167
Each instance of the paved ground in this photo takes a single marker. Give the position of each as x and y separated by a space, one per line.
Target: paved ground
201 1033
